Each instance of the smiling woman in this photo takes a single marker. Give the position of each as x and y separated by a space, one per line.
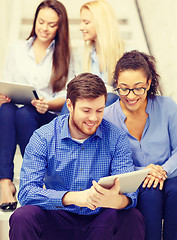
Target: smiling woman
103 45
45 29
43 61
150 123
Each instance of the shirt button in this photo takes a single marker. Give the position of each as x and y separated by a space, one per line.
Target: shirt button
82 148
80 208
80 189
81 169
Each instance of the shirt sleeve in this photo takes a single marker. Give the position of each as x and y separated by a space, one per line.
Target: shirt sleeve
123 162
170 166
32 190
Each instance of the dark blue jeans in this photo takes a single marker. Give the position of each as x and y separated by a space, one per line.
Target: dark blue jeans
16 127
33 223
156 205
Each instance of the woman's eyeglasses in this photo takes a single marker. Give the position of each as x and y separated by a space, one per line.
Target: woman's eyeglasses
137 91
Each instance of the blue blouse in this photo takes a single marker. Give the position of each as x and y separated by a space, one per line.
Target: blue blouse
158 144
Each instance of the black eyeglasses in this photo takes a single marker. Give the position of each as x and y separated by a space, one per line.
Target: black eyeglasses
137 91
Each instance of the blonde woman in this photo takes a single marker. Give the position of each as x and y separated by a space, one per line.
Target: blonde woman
103 44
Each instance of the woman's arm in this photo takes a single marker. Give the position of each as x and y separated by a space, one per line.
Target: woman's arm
42 105
4 99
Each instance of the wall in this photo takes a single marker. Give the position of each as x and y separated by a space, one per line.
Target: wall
160 19
4 25
17 16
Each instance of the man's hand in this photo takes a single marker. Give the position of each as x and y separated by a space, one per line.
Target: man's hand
97 196
41 105
80 198
108 198
156 176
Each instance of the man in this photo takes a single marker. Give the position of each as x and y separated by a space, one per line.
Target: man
63 162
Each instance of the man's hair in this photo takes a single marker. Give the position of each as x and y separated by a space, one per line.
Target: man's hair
85 85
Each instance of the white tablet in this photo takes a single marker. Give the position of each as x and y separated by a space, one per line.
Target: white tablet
18 93
129 182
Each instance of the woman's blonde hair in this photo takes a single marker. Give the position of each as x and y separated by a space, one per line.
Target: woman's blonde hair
110 44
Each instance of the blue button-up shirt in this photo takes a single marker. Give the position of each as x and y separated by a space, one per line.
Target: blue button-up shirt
158 144
52 158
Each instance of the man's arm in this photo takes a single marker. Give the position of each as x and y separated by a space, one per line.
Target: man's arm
32 191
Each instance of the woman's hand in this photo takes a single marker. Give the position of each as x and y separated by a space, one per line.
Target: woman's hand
157 171
156 176
41 105
4 99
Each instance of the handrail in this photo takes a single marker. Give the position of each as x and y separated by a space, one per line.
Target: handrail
143 27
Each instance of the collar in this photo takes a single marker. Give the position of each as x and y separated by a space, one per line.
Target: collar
94 55
148 107
119 109
31 40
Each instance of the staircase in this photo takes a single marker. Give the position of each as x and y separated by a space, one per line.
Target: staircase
19 27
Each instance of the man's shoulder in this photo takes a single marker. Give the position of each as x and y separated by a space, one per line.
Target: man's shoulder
56 125
113 136
110 128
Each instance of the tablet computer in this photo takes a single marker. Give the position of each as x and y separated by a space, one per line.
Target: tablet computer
18 93
129 182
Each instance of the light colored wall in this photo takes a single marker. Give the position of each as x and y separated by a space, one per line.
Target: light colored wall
10 17
15 11
4 25
160 18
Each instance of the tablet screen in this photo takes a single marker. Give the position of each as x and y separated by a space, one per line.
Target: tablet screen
129 182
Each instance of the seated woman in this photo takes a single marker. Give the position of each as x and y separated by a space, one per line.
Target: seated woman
103 45
43 60
150 121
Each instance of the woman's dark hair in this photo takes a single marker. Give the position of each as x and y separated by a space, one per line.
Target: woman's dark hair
135 60
85 85
61 55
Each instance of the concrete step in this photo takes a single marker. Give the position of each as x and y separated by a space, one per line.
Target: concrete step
4 216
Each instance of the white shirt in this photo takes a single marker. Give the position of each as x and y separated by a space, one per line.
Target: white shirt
21 67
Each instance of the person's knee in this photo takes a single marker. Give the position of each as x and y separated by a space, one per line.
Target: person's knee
135 216
24 215
130 216
150 195
8 109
